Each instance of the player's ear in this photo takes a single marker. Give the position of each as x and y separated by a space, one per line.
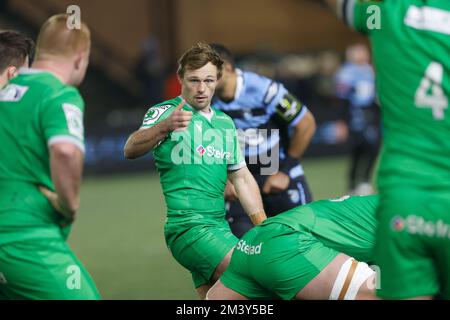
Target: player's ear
228 67
12 72
179 78
80 58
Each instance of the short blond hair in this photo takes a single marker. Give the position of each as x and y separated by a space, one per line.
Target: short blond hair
55 38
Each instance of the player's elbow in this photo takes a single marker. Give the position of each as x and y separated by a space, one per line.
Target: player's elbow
64 151
312 125
128 153
307 126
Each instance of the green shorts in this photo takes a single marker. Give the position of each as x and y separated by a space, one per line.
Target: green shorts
43 270
200 246
412 247
275 261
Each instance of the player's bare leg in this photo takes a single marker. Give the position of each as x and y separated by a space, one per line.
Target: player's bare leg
220 292
223 265
202 290
342 278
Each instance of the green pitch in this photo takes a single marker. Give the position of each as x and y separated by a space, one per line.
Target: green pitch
118 234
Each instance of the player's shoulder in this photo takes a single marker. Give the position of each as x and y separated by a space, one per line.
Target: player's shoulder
222 115
168 103
47 88
262 86
160 111
254 81
165 105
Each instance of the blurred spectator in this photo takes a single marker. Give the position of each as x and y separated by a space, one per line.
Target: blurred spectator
355 87
172 86
150 70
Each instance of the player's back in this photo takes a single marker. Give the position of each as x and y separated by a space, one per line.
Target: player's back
24 153
34 109
410 51
346 224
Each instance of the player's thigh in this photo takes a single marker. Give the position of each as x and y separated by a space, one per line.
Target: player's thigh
289 261
409 243
46 270
201 248
343 278
220 292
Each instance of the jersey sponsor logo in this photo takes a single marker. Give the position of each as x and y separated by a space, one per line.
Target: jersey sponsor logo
294 195
74 118
212 152
271 93
416 225
217 153
248 249
397 224
200 149
428 18
154 113
13 93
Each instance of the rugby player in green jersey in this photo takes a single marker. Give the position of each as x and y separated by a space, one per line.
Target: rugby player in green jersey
314 251
15 51
195 149
411 43
41 160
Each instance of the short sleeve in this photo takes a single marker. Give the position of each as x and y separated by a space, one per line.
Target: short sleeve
236 160
156 114
61 118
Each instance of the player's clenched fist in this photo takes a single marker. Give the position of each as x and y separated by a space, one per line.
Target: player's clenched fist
179 119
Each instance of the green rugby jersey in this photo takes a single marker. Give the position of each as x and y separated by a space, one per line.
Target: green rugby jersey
344 224
193 163
411 45
36 111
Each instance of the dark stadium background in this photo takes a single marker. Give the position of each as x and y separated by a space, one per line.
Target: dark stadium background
119 231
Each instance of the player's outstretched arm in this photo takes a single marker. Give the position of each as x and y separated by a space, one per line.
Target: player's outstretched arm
66 166
248 193
143 140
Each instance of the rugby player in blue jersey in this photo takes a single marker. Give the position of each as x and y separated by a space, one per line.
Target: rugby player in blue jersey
275 130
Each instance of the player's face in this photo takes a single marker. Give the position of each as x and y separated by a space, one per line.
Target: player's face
224 80
197 86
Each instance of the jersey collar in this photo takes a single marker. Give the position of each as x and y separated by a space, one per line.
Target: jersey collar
203 114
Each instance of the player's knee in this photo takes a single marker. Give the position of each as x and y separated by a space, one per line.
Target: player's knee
351 277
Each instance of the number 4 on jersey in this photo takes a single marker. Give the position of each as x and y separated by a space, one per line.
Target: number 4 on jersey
430 93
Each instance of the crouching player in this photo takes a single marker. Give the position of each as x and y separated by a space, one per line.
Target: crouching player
315 251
